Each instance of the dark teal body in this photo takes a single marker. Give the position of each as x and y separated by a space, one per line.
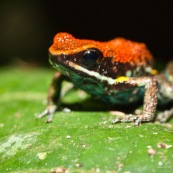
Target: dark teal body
101 89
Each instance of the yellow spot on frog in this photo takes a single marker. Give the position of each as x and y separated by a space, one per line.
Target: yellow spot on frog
153 72
122 79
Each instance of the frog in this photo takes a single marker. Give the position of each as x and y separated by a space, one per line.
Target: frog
118 72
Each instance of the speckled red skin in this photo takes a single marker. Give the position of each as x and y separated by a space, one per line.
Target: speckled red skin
117 57
119 49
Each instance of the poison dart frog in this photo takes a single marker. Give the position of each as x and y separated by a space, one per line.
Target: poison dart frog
118 71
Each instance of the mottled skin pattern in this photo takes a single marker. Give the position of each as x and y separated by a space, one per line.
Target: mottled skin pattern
118 72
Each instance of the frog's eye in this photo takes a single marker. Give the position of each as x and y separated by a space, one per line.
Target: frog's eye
90 57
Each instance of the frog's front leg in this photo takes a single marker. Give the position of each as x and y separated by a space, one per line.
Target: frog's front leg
150 101
53 98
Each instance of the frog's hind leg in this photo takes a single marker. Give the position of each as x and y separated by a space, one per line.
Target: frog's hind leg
53 97
165 81
150 101
165 115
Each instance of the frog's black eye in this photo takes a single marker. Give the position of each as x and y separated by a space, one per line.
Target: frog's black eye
90 57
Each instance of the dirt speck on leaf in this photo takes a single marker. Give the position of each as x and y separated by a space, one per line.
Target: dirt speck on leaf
151 151
163 145
59 170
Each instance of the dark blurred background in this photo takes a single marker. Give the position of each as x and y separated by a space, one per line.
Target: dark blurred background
27 28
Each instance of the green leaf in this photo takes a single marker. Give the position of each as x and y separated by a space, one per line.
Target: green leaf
82 140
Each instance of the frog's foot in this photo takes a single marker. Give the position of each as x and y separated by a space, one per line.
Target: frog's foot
136 119
49 111
165 115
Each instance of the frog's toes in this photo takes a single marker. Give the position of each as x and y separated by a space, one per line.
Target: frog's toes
49 111
117 120
50 118
42 114
137 119
127 118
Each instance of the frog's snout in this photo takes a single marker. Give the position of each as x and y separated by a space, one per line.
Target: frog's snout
57 59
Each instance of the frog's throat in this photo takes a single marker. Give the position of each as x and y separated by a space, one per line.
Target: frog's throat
96 75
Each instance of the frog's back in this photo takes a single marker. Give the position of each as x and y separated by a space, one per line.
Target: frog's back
126 51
